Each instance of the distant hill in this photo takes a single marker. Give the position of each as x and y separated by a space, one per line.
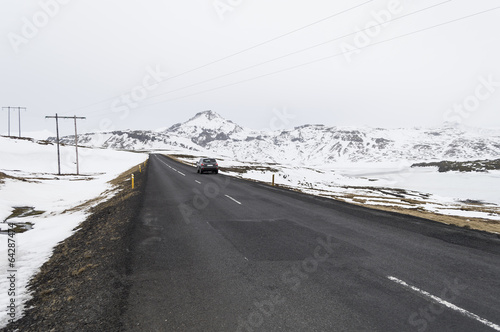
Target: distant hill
464 166
308 144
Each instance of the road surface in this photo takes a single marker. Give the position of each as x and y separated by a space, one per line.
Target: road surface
214 253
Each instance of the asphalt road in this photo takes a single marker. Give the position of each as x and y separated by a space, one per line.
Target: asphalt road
214 253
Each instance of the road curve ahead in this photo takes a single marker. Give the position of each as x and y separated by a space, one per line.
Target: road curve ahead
214 253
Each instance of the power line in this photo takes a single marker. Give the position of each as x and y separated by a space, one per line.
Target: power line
238 53
292 53
325 58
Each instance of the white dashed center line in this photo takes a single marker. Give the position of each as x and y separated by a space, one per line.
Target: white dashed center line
232 199
171 167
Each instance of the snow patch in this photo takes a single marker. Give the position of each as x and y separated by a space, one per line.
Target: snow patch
34 184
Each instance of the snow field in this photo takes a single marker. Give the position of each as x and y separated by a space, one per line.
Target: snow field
35 184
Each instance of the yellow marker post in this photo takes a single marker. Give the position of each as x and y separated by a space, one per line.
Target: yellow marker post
132 181
273 180
140 171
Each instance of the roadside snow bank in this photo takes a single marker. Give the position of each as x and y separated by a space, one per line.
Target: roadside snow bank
51 205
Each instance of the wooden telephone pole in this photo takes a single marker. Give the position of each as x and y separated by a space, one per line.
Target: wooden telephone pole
19 109
57 117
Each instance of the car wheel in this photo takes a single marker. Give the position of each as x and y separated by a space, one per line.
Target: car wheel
216 172
197 171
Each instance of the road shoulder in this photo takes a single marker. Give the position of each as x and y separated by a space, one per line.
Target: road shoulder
83 285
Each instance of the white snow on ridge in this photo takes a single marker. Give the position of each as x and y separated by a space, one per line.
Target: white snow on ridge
308 145
37 185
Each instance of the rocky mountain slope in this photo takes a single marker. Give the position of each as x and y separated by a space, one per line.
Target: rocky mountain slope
309 144
463 166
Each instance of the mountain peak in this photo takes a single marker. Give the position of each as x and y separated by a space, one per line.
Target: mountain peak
210 115
205 127
202 119
209 119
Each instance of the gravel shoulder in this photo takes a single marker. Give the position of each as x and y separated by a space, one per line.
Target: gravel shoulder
83 286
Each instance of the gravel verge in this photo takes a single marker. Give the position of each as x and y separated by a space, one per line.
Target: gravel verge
83 286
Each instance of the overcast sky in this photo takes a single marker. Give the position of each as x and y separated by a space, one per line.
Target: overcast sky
150 64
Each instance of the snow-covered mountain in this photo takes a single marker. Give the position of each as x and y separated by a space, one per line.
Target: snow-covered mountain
206 127
308 144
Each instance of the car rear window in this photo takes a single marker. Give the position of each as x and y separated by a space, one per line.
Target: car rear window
209 161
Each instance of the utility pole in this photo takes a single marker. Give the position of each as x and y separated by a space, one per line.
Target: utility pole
57 141
76 139
8 111
76 147
10 108
19 112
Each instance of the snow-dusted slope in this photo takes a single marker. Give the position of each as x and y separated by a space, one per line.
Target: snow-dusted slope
316 145
131 140
308 144
206 127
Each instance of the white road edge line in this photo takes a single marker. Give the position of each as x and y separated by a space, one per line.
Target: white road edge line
197 181
232 199
181 173
446 303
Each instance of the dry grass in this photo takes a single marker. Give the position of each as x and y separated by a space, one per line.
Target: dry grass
410 206
121 182
24 211
86 274
245 169
487 225
492 226
4 176
123 179
177 157
83 269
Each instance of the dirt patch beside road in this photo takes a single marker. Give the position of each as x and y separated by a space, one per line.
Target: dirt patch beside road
83 285
487 225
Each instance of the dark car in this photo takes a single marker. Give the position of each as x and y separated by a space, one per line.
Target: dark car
207 165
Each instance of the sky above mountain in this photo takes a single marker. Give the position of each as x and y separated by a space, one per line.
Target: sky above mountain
124 64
